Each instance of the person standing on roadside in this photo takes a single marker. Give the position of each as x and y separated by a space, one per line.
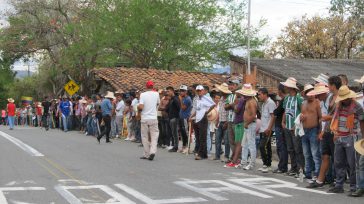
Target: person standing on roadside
266 128
174 108
45 117
185 113
65 109
107 109
148 104
11 113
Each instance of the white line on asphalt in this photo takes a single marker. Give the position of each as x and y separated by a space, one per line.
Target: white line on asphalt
2 196
28 149
148 200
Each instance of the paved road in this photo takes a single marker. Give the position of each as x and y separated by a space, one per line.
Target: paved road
57 167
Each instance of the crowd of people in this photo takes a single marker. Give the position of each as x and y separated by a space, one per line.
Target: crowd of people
319 129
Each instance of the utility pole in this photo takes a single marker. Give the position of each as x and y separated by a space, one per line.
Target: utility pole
28 69
249 12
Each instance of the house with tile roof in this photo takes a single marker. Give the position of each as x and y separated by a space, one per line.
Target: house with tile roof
269 72
127 79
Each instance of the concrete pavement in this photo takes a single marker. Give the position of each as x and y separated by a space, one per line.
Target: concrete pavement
74 168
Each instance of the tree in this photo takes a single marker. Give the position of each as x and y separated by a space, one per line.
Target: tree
319 38
71 38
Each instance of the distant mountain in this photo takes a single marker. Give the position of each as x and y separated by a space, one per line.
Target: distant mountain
217 70
20 74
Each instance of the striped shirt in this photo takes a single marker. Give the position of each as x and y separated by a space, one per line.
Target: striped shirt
231 114
344 112
292 108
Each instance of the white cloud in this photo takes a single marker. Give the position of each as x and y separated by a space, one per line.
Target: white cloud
279 12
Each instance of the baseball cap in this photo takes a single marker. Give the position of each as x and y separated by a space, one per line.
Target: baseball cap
234 81
200 87
183 87
149 84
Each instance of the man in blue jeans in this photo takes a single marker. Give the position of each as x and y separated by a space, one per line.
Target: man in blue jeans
222 124
278 129
347 123
310 118
65 107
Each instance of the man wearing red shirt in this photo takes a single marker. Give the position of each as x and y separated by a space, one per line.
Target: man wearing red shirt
11 112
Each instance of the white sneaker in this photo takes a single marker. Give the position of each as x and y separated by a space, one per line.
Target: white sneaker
248 167
117 136
127 139
263 167
266 169
170 147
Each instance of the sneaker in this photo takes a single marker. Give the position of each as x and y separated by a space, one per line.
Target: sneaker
261 169
185 151
336 190
117 136
170 147
230 165
358 193
127 139
248 167
267 169
292 173
315 185
172 150
278 171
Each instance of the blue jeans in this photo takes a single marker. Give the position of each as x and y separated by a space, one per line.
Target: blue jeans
220 134
345 161
248 145
360 173
65 120
208 139
311 151
281 149
11 122
90 127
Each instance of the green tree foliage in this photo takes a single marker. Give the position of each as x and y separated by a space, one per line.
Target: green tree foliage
72 37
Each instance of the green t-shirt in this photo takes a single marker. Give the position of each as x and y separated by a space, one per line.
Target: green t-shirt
292 108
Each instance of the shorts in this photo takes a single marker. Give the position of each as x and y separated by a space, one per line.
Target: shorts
239 132
327 144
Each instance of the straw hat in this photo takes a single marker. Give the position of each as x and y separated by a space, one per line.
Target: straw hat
290 83
307 88
359 146
322 78
10 100
224 88
119 92
212 116
247 90
345 93
320 88
361 80
83 101
110 95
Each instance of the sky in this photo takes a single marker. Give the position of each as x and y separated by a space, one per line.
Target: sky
277 13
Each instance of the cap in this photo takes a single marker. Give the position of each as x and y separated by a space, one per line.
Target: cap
234 81
200 87
183 87
149 84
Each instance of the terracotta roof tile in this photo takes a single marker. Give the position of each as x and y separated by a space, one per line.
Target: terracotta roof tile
135 78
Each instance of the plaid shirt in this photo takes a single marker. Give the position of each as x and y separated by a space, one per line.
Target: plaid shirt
343 113
222 112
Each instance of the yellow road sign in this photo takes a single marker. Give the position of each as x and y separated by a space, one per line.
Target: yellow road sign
71 87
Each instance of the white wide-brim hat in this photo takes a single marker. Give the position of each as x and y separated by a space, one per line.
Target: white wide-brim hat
110 95
290 83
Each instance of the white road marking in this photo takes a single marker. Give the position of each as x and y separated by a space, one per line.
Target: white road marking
266 184
148 200
2 190
28 149
66 194
212 192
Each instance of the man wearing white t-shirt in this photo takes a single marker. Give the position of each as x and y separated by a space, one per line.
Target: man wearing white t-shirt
148 103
